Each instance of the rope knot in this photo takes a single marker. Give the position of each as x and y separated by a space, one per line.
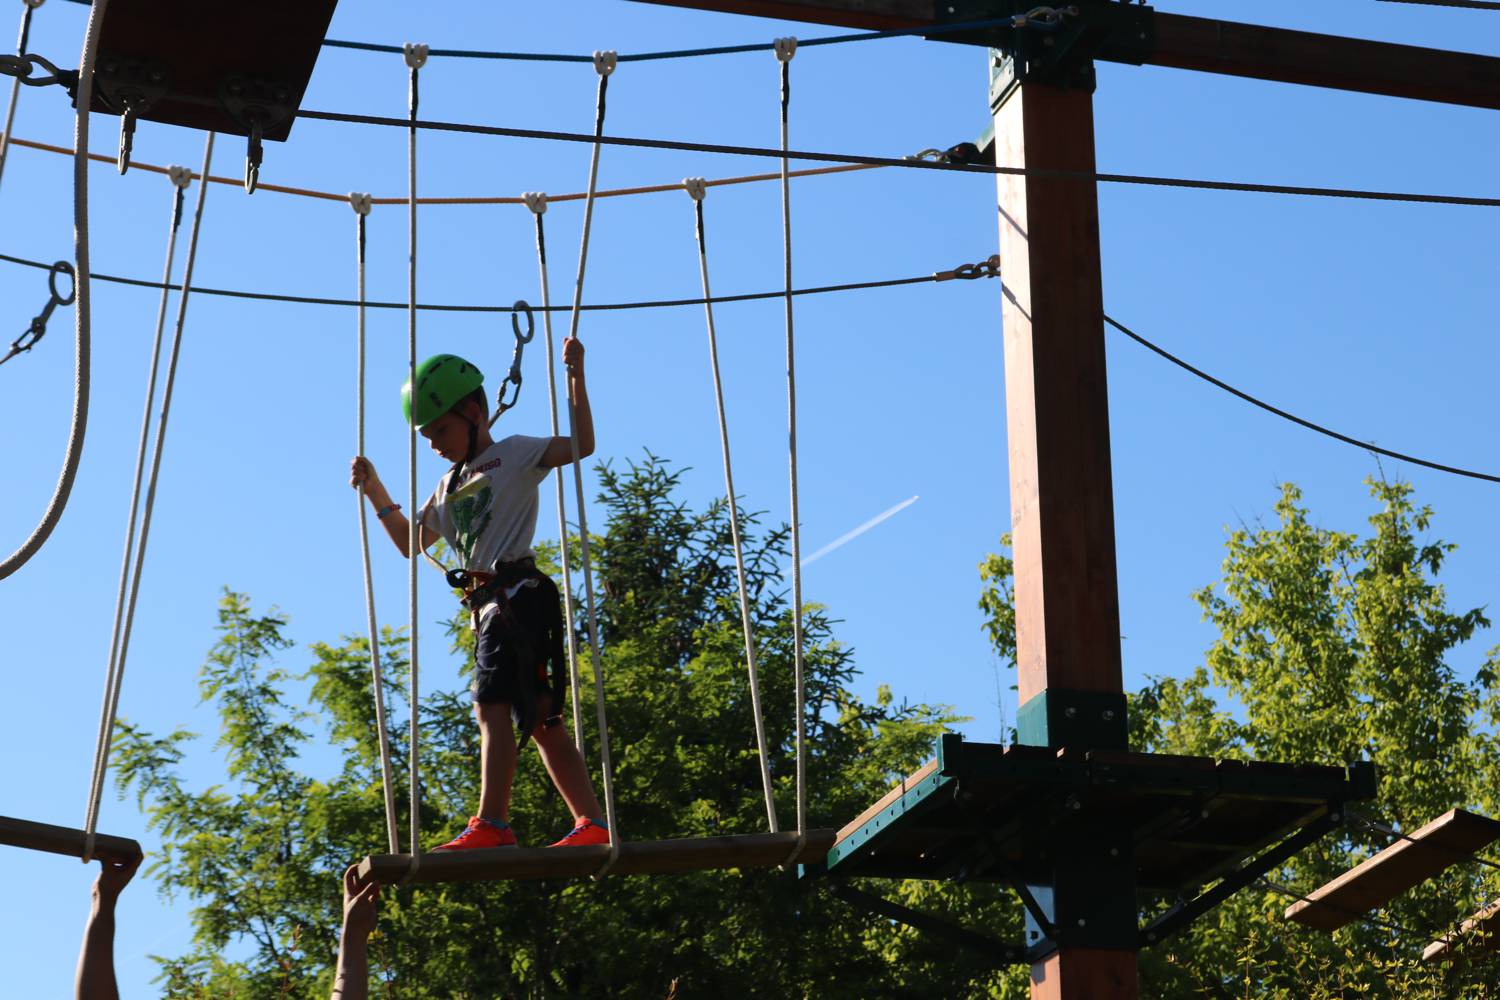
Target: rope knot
696 187
605 60
536 201
34 4
415 54
359 202
785 49
180 177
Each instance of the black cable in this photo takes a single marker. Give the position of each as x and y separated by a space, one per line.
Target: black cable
895 161
1293 417
438 307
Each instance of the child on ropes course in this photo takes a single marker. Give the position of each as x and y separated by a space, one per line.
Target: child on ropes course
485 507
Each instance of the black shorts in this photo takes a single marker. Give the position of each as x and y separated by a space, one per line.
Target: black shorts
517 640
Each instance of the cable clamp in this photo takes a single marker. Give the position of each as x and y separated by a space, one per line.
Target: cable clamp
605 60
785 49
180 177
987 268
536 201
359 202
415 54
696 187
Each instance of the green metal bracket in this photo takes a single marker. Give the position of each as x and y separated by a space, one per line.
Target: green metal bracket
1079 720
1058 51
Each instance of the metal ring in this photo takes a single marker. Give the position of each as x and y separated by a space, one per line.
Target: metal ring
62 267
520 307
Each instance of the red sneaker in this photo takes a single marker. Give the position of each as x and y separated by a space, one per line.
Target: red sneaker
585 833
481 833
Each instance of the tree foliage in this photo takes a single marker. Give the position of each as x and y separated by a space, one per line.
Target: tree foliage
260 855
1332 647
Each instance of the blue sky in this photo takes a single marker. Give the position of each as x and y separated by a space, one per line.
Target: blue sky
1377 319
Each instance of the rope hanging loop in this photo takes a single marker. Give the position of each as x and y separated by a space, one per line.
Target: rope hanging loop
536 201
34 4
180 177
359 202
696 187
605 61
513 377
785 48
415 54
37 328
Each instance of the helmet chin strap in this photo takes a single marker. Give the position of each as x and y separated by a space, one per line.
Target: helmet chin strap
453 480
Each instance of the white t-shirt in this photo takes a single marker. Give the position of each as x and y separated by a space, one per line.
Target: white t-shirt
491 516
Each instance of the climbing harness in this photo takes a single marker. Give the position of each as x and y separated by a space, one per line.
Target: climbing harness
536 201
15 84
80 417
785 49
116 672
604 65
414 55
513 377
37 329
696 189
360 203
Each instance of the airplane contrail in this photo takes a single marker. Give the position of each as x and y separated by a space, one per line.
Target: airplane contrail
850 536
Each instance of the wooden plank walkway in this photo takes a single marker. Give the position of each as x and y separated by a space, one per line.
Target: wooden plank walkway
644 857
64 840
1481 932
1444 842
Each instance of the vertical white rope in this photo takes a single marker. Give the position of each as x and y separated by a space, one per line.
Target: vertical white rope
697 190
604 65
112 695
78 424
361 205
415 55
15 83
537 202
786 48
180 178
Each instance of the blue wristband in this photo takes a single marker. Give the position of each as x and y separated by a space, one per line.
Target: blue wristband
389 508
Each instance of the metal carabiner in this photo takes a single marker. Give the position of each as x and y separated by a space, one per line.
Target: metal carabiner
37 328
513 377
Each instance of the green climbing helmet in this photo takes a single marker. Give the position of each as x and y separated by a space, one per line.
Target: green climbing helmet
443 380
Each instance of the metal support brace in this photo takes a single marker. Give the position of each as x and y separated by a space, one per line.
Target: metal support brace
1184 913
999 952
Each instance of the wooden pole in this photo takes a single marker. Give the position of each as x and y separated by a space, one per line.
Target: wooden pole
1062 510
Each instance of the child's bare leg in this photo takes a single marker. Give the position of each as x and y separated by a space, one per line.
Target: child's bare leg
497 759
565 765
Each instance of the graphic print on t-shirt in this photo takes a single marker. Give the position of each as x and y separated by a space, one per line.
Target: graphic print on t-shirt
471 515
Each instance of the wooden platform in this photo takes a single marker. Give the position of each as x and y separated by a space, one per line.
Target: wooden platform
1481 932
185 56
1444 842
985 811
646 857
64 840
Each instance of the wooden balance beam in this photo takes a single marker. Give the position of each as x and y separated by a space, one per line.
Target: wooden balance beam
1376 881
1481 932
64 840
644 857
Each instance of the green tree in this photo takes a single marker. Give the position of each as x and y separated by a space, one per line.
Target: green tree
1332 647
260 856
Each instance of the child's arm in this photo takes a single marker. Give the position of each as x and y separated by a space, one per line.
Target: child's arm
362 473
560 451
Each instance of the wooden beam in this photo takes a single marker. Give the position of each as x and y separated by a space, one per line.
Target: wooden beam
1356 64
888 798
1056 397
644 857
1446 841
878 15
1481 932
1211 46
64 840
